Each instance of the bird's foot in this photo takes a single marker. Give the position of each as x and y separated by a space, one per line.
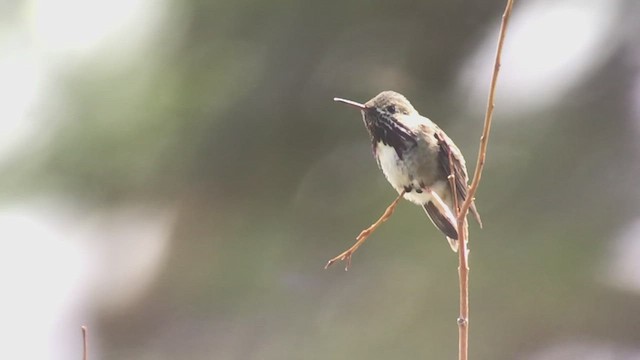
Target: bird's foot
345 256
364 234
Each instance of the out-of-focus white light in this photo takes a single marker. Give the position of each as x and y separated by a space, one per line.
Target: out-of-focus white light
59 262
82 26
54 35
21 83
623 268
586 349
42 270
132 244
550 46
635 96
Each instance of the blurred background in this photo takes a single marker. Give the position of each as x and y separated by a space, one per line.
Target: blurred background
175 176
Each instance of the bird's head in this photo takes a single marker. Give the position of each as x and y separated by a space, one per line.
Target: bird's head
387 104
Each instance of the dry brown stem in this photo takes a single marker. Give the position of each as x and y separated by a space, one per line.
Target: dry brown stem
85 343
461 213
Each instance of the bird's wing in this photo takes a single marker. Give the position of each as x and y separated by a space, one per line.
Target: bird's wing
449 151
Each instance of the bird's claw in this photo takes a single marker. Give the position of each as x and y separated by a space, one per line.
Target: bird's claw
345 256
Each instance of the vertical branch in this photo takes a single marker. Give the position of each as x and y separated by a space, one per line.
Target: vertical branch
463 329
463 275
85 343
461 212
484 139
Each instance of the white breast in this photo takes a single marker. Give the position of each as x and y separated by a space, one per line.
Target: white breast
397 173
392 167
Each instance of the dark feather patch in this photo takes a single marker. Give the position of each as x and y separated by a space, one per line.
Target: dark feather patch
390 132
441 221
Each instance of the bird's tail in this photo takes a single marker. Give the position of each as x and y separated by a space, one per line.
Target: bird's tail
446 223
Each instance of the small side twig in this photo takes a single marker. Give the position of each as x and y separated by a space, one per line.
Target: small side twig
461 212
364 234
85 343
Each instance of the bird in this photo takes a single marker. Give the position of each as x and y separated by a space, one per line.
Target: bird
417 158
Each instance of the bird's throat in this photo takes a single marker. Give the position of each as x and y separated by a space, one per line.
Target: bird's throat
391 132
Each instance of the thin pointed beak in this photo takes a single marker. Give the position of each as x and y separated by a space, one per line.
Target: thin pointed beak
351 103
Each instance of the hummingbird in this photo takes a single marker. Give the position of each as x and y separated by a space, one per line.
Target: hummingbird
417 158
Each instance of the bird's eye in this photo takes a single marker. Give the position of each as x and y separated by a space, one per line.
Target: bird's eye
391 109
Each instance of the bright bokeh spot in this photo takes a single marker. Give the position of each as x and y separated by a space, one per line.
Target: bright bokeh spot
83 26
41 271
51 38
551 46
21 82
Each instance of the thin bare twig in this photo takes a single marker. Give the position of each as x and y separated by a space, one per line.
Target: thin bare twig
461 213
364 234
484 139
85 343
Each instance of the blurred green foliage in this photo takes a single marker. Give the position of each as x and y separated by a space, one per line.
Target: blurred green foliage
227 116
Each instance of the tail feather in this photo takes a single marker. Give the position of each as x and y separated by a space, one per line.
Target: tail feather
453 243
443 223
